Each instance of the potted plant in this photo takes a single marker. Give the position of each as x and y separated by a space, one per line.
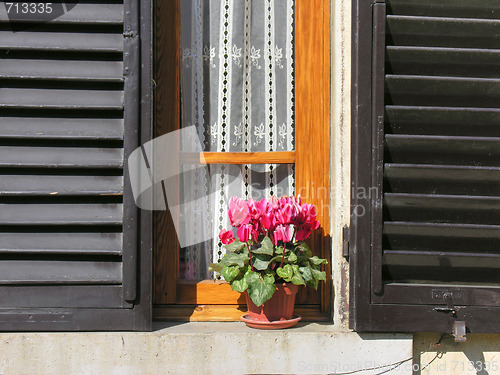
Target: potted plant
268 258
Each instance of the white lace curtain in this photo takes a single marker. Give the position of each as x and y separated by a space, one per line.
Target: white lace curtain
237 90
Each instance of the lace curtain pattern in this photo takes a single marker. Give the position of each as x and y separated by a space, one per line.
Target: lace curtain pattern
237 90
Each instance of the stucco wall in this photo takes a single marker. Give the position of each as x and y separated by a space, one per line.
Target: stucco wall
480 354
340 153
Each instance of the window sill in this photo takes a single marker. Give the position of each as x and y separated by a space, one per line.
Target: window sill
232 347
205 328
202 348
225 313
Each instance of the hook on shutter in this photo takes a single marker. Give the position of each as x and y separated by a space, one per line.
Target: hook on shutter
459 331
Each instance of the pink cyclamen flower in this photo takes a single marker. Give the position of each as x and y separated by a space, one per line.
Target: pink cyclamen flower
266 214
282 233
275 203
238 212
244 232
309 212
253 209
285 213
226 237
302 234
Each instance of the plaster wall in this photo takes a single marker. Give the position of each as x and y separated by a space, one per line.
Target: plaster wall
480 355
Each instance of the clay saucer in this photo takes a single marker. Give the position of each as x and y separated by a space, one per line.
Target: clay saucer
275 324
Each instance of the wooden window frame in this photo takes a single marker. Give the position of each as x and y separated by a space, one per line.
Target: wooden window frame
371 311
208 300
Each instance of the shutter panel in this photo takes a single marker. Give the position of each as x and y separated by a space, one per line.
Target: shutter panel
426 148
70 239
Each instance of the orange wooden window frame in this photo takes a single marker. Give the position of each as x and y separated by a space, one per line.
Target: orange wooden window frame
176 299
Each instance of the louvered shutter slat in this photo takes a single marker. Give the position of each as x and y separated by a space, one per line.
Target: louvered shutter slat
446 8
61 99
57 296
448 121
442 237
442 179
86 243
61 42
62 128
60 214
449 150
445 62
28 272
443 32
84 14
54 157
40 185
111 71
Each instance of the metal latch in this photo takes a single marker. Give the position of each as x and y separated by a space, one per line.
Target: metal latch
448 299
459 331
345 241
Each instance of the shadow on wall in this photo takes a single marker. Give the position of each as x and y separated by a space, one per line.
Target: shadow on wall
480 354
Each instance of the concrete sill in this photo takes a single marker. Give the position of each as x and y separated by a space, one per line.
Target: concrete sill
308 348
202 348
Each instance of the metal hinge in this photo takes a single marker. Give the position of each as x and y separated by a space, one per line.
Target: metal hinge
345 241
129 34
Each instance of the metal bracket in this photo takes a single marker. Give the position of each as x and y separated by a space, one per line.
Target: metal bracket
459 331
129 34
449 297
345 242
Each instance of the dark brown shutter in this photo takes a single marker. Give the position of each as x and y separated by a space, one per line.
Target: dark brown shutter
70 238
425 240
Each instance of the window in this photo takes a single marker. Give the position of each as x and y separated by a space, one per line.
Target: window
176 298
425 225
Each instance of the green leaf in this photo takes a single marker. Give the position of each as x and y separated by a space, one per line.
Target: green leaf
230 273
234 246
292 258
302 246
265 248
239 285
297 279
313 283
306 273
285 273
317 261
319 275
276 259
260 262
215 267
278 250
252 277
234 259
269 278
260 291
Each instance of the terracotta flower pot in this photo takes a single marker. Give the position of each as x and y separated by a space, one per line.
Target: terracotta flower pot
275 313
